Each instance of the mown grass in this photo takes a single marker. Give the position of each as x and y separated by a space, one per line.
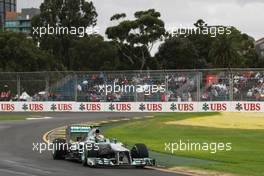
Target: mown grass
246 157
15 117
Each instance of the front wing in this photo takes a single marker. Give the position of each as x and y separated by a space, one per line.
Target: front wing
108 162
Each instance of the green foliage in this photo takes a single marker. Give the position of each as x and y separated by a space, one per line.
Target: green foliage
135 38
130 46
19 53
68 13
63 13
224 53
234 50
118 16
202 43
205 51
93 54
178 53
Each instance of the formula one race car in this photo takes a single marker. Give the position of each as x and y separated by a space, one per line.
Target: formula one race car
87 145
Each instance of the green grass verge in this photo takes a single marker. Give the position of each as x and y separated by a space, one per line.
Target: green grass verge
246 157
16 117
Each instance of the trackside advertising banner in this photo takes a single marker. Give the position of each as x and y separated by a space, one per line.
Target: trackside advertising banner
132 107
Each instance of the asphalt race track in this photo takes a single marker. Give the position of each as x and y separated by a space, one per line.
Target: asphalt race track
17 157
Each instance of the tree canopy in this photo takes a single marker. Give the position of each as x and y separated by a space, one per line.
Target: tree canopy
63 13
135 38
137 43
19 53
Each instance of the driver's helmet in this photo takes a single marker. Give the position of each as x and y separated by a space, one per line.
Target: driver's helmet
97 131
98 136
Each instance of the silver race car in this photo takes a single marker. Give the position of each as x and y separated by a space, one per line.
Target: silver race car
87 145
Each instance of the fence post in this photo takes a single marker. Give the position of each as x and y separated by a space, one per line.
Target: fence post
167 87
231 82
199 80
18 86
136 94
47 88
76 87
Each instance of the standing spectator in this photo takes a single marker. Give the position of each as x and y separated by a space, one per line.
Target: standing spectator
164 97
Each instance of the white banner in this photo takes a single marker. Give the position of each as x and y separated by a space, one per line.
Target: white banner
132 107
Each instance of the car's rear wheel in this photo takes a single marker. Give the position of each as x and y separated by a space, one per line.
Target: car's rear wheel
91 153
84 158
59 150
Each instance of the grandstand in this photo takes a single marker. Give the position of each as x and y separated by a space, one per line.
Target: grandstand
181 85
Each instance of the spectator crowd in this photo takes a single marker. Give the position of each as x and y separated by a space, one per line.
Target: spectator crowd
179 87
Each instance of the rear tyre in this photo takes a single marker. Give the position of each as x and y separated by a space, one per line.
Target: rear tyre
84 158
59 150
92 153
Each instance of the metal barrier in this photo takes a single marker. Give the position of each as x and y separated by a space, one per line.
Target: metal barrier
135 86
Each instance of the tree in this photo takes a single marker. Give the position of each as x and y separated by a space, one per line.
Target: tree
178 53
202 43
94 54
224 53
19 54
229 49
234 50
63 13
245 46
135 38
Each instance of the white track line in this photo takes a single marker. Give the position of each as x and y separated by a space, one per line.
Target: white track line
41 118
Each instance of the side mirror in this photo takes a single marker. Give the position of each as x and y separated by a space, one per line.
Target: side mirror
114 140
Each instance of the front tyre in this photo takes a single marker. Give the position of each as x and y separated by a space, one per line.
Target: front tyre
139 151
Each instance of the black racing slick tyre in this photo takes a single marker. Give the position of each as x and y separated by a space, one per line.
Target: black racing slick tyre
59 150
139 151
93 152
84 158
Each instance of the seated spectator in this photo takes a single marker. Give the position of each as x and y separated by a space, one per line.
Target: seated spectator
25 97
5 94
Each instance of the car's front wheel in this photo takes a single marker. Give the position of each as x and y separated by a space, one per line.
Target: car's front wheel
139 151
